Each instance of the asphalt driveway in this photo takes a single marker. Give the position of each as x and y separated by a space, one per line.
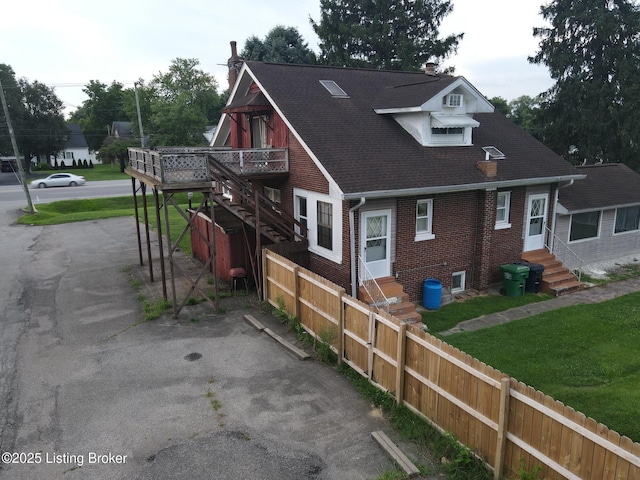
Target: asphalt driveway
88 391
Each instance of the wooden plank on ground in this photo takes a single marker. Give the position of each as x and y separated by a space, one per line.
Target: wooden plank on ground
395 453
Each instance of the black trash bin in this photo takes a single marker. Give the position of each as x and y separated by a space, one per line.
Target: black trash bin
532 284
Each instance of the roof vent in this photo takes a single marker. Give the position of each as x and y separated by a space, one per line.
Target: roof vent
334 89
492 153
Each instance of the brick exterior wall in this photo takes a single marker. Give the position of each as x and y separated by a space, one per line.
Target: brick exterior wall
463 224
507 244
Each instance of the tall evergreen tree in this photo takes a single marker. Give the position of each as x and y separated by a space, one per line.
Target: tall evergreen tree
385 34
592 50
280 45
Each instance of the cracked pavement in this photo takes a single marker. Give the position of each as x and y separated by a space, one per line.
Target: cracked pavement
89 391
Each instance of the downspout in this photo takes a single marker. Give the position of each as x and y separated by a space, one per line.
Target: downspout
553 218
352 246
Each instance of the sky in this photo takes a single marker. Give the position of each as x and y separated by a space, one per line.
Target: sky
67 43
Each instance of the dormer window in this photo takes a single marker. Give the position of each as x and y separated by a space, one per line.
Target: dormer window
452 100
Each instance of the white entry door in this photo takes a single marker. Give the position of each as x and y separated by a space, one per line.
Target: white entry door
536 222
375 243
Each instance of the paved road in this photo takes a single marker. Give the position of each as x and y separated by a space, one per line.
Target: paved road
89 392
13 196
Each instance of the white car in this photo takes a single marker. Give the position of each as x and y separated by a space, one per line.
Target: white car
59 180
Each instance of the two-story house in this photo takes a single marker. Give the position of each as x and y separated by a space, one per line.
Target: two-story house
396 174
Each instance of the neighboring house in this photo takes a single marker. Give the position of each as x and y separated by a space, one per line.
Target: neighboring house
121 130
76 147
598 218
209 132
411 175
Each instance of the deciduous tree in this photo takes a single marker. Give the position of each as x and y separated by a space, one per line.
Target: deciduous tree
103 107
186 101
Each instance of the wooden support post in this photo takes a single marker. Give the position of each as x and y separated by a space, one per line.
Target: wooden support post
214 253
258 250
163 273
143 188
503 420
400 362
135 210
165 205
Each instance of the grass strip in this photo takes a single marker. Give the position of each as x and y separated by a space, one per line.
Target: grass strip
448 316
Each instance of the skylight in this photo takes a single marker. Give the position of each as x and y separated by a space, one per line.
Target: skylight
493 152
334 89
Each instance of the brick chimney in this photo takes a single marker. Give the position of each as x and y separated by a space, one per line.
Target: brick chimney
430 69
234 64
488 167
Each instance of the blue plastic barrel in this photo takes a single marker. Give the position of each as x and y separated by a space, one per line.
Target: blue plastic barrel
431 294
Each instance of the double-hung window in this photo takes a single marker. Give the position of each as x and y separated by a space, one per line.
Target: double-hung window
424 220
325 225
502 210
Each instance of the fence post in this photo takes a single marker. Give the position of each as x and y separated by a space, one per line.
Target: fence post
340 346
501 442
296 295
400 362
265 276
371 343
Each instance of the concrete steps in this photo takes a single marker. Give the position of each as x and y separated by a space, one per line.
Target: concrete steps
556 279
400 306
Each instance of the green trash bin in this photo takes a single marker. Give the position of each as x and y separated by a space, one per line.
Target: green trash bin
514 279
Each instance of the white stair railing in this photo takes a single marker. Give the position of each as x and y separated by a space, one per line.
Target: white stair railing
563 252
366 280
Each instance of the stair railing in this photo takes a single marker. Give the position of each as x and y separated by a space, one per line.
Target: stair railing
270 213
564 253
366 280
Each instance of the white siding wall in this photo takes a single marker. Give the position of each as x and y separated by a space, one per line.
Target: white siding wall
608 246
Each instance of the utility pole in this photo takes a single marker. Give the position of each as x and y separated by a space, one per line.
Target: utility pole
23 177
135 90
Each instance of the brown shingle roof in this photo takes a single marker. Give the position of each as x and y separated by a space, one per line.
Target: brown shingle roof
367 152
608 185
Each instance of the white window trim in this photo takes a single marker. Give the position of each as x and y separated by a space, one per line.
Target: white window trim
507 207
589 239
615 219
272 194
428 234
463 282
313 198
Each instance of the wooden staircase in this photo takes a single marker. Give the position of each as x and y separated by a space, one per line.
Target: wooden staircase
400 306
251 206
556 278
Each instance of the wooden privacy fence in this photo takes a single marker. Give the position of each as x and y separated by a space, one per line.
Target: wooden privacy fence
504 422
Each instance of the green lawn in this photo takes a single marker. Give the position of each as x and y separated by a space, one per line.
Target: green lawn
450 315
66 211
585 356
98 172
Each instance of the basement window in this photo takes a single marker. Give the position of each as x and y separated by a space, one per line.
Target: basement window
458 280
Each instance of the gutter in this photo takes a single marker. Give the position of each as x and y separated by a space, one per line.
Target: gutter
352 245
555 214
461 188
